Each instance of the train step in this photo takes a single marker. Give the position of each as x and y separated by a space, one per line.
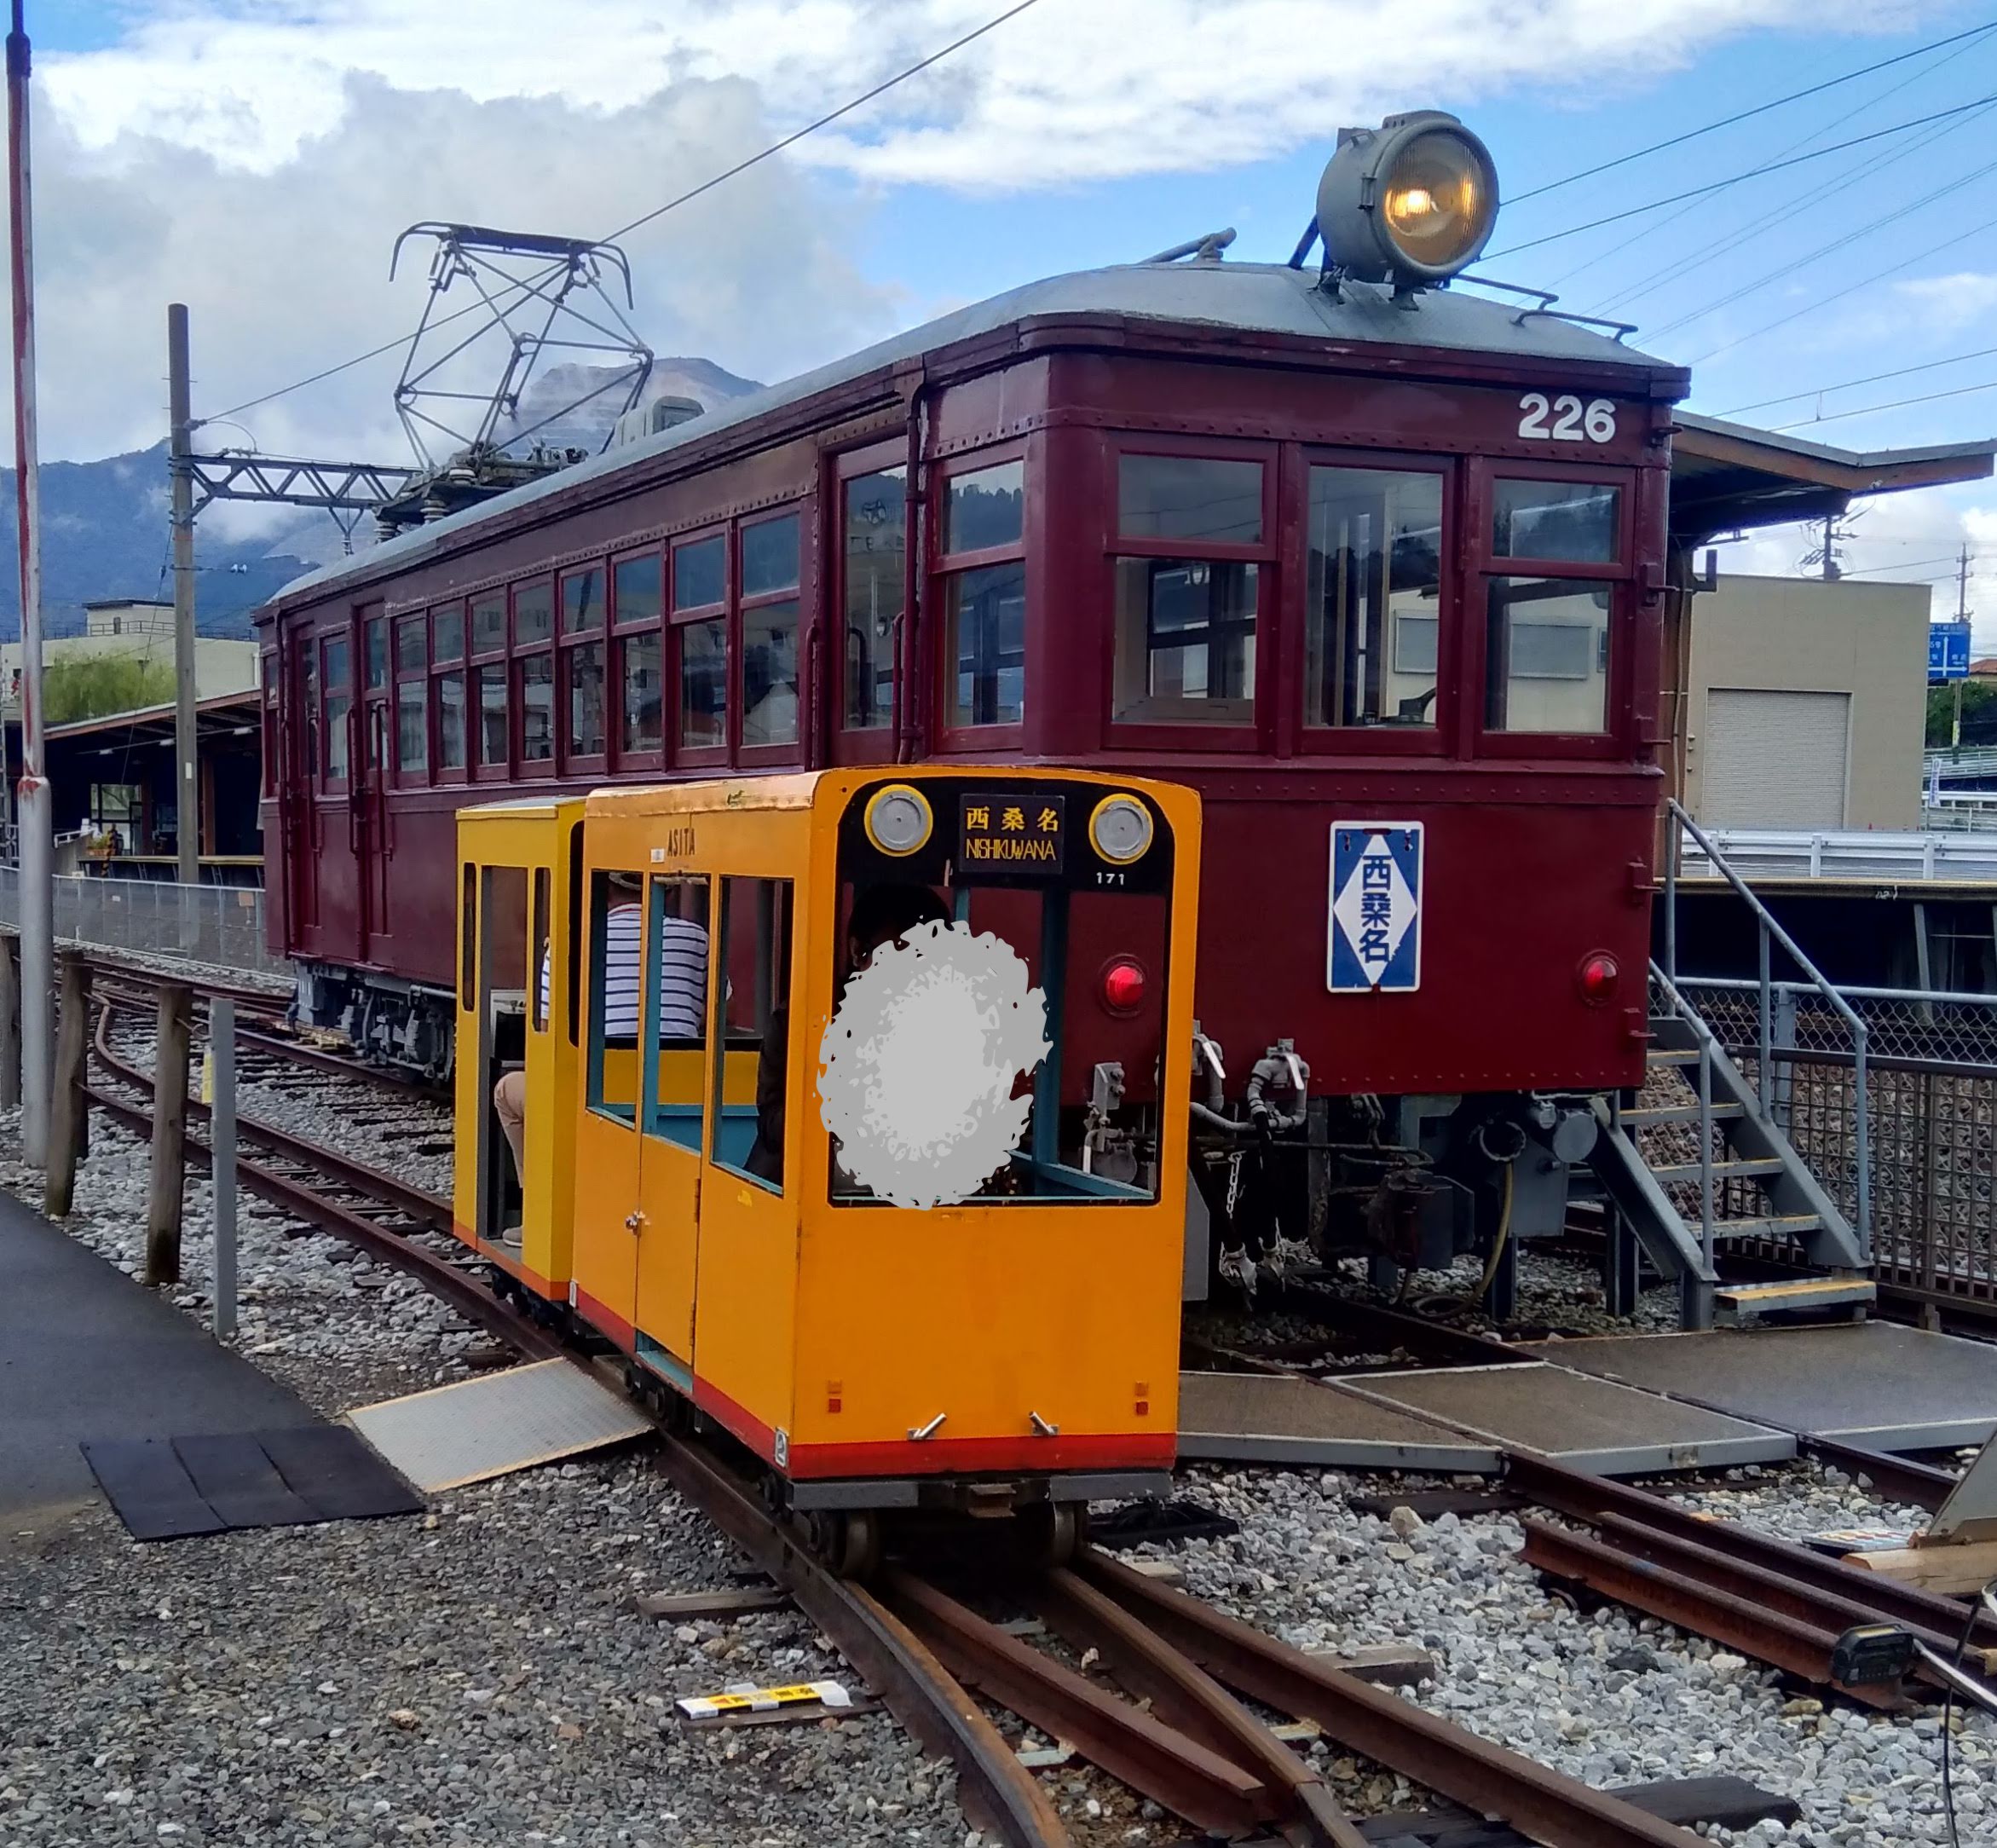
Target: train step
1775 1226
1741 1305
1672 1055
1649 1115
1740 1169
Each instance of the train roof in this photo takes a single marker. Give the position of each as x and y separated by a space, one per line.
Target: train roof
1234 300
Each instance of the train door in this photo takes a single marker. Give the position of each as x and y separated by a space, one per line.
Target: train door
375 846
510 1004
298 793
335 802
675 1091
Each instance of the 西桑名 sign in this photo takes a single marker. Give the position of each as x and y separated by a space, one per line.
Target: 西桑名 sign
1376 931
1020 833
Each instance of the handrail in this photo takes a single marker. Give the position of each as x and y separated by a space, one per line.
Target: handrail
1930 996
1770 931
1708 1045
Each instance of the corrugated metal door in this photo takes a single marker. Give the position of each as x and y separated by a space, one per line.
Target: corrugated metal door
1774 759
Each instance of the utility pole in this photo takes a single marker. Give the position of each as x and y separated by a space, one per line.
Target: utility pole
187 801
38 839
1962 615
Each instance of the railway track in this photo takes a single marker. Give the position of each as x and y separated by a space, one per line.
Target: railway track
1180 1717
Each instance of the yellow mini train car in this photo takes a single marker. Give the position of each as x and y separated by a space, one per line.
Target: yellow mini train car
779 1018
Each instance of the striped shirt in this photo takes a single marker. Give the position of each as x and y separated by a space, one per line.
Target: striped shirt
683 975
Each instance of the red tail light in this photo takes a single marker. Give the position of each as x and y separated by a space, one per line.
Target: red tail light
1123 983
1598 977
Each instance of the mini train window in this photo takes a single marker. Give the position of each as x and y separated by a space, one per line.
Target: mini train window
675 1029
1547 654
1372 619
616 937
746 1133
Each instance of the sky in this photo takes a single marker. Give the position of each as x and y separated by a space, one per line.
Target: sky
256 159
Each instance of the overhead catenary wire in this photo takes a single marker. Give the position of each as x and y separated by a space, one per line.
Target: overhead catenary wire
1892 404
1870 378
1759 109
705 186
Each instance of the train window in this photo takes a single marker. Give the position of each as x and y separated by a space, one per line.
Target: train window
269 663
412 643
584 668
639 590
703 684
447 634
492 714
540 959
376 632
615 950
874 518
984 621
700 574
582 601
308 700
468 938
338 701
412 726
488 622
334 654
770 556
450 721
533 612
536 683
644 711
1372 611
1164 497
676 1011
769 673
754 936
984 509
1186 640
1547 654
1576 523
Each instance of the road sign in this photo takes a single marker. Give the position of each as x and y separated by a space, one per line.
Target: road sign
1947 652
1375 938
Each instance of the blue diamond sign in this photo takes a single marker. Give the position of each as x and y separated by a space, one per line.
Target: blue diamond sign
1375 934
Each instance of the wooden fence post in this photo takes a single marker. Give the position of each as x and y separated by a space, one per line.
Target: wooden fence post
10 1022
68 1110
169 1136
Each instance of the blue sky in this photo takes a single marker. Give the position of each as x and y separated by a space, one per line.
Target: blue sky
282 140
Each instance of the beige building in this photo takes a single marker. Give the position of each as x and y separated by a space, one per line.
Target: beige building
1807 703
130 626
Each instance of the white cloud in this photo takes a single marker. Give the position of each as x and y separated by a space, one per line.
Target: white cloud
1073 89
1945 304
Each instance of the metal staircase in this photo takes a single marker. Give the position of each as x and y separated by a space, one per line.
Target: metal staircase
1695 1168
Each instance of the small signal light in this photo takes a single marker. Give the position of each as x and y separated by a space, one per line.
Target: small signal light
1598 977
1124 985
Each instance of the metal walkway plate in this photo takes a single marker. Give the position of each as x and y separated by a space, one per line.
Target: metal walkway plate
1872 1383
491 1426
1256 1417
1587 1422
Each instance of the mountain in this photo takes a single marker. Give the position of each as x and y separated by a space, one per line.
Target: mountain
104 523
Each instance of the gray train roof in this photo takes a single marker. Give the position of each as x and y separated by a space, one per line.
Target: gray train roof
1267 298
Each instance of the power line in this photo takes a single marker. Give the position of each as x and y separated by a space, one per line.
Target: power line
1744 115
1871 378
705 186
1751 173
1894 404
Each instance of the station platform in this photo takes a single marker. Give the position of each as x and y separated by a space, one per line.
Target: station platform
87 1354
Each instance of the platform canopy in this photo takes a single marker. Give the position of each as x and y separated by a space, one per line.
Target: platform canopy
1727 477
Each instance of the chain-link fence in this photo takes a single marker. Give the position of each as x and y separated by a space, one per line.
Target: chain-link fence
1932 1109
222 925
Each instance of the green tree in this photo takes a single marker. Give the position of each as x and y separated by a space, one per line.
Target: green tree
1979 714
91 686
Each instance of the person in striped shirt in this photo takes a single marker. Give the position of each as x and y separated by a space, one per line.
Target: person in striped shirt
683 996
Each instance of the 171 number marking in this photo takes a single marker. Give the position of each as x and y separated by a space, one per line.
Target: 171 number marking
1573 421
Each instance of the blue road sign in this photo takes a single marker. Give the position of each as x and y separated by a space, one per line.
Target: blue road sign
1376 922
1947 652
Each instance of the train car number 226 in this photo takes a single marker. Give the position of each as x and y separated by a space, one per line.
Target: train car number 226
1565 419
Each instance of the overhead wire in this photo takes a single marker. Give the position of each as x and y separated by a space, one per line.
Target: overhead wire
742 166
1892 404
1870 378
1759 109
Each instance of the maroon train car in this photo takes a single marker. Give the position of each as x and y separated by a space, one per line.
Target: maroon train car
1381 572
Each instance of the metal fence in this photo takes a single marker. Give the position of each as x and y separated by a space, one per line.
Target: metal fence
222 925
1931 1115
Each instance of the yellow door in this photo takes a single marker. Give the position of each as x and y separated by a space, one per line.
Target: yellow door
607 1138
674 1091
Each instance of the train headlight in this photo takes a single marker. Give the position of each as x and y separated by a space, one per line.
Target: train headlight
1412 201
898 819
1121 829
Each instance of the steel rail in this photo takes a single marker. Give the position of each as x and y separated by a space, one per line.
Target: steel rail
1550 1808
1741 1623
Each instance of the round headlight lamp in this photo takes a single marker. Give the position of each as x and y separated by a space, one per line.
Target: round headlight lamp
1412 201
1121 829
898 819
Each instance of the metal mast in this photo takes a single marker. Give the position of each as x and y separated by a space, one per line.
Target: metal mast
187 832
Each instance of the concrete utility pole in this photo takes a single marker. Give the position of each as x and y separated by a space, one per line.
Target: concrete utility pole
1962 615
187 777
38 839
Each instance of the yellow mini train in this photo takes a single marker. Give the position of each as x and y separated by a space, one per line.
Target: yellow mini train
849 1107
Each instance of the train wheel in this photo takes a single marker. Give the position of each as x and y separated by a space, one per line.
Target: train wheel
1051 1534
848 1541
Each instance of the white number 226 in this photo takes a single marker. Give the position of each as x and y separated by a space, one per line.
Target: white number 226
1596 422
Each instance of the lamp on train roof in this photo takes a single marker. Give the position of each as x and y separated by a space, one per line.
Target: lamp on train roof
1411 202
